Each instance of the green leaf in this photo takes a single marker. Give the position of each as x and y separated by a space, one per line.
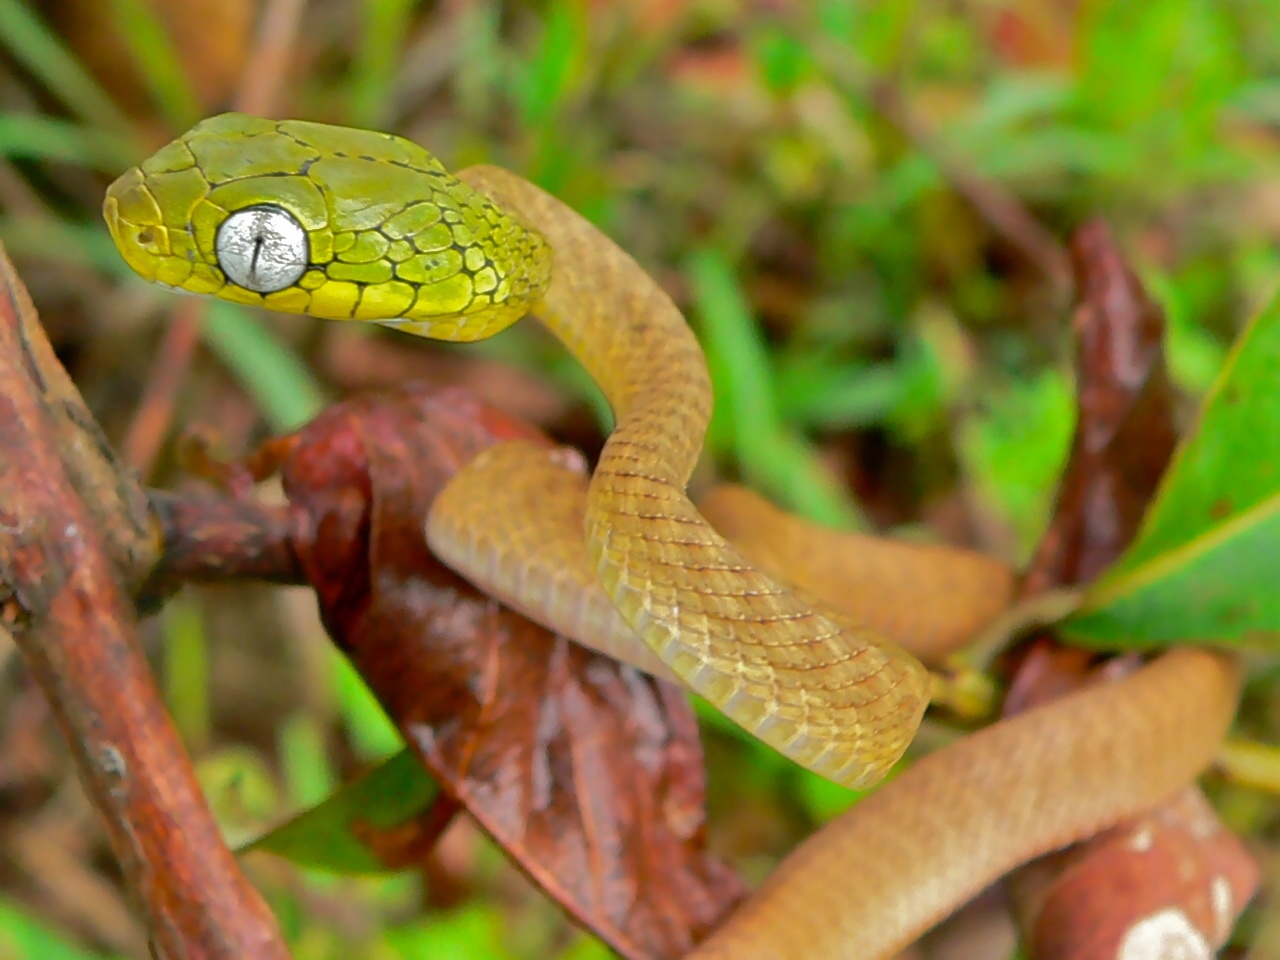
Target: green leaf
1195 355
783 60
1015 446
1203 565
324 838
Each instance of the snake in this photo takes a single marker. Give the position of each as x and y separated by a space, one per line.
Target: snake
735 600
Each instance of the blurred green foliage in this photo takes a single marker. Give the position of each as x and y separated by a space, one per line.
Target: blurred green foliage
867 329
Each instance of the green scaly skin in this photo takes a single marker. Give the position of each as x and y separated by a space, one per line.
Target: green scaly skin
430 254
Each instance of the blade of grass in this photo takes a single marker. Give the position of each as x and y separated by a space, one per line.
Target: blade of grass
282 385
478 78
159 63
37 47
371 732
813 390
547 78
61 241
31 136
186 671
377 60
747 422
305 762
545 84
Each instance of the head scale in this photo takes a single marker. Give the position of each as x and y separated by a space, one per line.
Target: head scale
330 221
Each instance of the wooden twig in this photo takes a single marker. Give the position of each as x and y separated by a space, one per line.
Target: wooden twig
73 536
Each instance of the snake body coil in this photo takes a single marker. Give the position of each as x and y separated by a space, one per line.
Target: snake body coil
382 232
349 224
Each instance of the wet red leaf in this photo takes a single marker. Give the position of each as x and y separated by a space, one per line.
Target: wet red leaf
1125 433
588 773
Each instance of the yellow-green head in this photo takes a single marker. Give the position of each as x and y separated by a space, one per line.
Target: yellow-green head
329 221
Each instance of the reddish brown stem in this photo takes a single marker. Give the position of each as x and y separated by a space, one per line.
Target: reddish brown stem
65 603
209 537
168 372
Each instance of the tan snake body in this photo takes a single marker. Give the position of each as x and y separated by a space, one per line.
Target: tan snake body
352 224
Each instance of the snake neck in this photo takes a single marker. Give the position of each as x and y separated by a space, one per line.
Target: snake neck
831 698
621 326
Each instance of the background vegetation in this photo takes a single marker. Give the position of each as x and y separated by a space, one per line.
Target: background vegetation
860 205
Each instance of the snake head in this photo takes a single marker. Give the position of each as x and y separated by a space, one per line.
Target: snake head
329 221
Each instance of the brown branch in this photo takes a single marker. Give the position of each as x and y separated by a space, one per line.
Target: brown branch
74 534
215 537
168 373
268 65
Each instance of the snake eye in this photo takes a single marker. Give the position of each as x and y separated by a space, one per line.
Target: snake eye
262 248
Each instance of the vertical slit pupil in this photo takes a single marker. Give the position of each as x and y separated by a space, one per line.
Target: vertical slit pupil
257 252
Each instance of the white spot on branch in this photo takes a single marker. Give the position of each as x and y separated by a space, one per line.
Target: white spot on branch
1164 935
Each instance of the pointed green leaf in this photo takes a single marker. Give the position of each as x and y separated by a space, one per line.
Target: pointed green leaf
1203 566
324 836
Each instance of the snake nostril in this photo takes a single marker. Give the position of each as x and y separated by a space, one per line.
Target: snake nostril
146 237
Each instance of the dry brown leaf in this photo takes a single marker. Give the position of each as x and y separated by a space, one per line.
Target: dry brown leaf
588 773
1125 433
